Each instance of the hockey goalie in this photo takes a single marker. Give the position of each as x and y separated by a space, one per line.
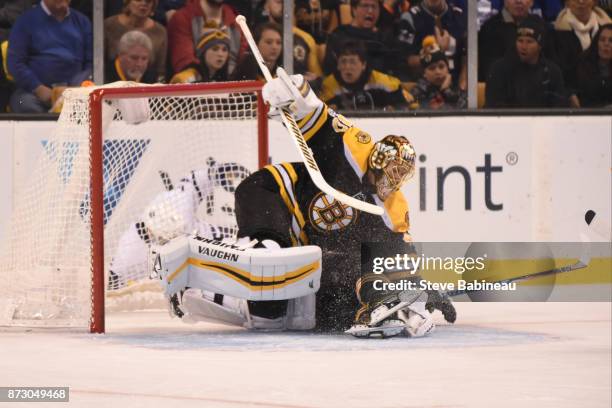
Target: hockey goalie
296 264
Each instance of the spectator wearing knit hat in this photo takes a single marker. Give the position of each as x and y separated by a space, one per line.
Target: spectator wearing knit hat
526 79
133 61
136 15
497 36
213 52
435 89
187 25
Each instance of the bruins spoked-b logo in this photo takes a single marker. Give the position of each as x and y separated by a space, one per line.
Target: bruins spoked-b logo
328 214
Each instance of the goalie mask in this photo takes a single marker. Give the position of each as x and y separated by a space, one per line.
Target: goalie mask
392 163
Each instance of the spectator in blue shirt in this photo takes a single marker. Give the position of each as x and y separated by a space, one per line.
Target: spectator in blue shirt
49 46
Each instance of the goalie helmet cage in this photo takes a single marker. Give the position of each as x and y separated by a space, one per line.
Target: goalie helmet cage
64 236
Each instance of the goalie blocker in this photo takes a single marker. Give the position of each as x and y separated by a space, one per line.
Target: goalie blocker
223 279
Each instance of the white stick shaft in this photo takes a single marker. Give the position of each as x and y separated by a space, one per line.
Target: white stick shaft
298 138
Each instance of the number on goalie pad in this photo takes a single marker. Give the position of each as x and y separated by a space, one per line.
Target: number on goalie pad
245 273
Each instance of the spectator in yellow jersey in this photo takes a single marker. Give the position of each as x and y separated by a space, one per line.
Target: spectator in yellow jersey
355 85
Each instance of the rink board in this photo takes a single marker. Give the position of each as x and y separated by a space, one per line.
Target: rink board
542 173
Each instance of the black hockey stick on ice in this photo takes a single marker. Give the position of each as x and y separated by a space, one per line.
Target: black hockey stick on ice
583 262
408 297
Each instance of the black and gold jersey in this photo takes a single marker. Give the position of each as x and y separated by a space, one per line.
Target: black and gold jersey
305 53
374 90
310 216
280 202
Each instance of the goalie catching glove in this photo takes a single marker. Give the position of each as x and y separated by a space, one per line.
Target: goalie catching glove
292 92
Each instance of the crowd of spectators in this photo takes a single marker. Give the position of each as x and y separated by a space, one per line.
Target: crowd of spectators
362 54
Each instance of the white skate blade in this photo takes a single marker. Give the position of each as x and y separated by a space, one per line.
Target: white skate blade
389 328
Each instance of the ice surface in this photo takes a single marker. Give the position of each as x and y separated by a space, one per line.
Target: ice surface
496 355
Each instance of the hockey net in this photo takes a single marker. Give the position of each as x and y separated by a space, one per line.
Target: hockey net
100 179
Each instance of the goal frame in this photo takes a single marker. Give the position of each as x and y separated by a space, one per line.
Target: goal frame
96 100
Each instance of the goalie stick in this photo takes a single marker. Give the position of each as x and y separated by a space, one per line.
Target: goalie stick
583 262
298 138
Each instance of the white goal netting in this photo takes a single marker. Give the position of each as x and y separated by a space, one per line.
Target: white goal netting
174 172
